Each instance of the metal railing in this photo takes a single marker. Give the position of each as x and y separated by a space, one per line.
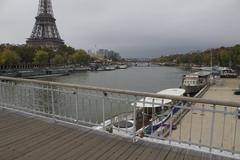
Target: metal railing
201 124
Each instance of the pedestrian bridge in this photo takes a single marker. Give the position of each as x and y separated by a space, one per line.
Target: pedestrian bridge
47 120
28 138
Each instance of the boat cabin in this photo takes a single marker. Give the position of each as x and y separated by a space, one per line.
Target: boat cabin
227 73
196 79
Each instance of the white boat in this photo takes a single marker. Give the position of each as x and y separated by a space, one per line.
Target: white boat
227 73
110 68
194 82
158 102
120 125
100 69
122 66
124 124
159 109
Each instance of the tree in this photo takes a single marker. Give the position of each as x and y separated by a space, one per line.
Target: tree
26 54
224 57
206 58
41 57
9 57
238 60
80 57
66 49
58 59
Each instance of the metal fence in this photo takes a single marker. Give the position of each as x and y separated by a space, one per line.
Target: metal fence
201 124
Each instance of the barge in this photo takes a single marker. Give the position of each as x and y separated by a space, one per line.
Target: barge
194 82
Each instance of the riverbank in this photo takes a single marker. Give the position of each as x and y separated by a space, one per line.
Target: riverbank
201 122
56 71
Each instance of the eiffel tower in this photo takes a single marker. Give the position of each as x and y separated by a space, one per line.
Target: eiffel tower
45 32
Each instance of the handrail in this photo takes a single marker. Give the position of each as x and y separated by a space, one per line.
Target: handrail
119 91
104 108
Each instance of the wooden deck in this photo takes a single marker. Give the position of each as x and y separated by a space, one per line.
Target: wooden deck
26 138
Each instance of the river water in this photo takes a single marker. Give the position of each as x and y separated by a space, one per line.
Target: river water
147 79
87 105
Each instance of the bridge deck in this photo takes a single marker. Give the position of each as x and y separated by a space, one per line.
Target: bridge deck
27 138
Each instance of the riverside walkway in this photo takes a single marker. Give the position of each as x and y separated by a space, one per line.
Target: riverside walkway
222 90
28 138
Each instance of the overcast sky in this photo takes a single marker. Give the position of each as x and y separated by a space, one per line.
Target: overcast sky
135 28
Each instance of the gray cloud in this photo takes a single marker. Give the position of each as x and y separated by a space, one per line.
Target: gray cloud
135 28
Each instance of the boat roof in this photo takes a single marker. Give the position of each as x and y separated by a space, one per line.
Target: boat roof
197 74
159 101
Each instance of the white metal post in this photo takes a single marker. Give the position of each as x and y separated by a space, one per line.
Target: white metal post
103 109
135 120
53 107
212 127
77 106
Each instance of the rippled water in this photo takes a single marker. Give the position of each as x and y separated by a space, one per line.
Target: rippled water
149 79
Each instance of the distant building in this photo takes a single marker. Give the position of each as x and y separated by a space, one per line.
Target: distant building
91 53
108 54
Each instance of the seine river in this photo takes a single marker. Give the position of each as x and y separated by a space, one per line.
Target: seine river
90 104
147 79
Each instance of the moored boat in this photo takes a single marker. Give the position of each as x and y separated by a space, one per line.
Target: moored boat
227 73
110 68
154 112
157 110
194 82
123 66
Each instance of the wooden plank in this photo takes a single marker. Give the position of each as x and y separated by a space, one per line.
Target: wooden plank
24 146
20 133
206 156
121 151
17 129
183 154
173 154
48 146
129 152
146 153
151 152
109 151
81 145
63 145
137 152
4 115
154 153
24 135
163 153
103 150
19 122
10 120
25 138
94 149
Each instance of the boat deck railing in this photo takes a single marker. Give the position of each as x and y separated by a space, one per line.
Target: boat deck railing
194 123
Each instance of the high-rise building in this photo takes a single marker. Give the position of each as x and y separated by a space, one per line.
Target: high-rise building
108 54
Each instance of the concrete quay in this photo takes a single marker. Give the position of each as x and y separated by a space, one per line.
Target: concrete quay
201 120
